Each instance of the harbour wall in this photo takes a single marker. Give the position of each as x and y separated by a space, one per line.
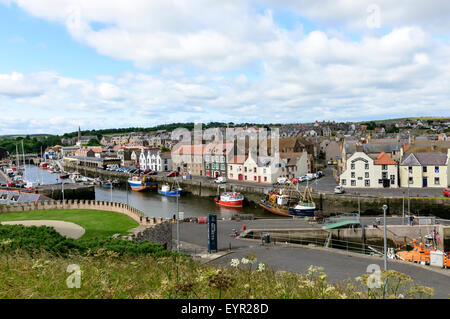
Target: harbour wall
327 203
356 238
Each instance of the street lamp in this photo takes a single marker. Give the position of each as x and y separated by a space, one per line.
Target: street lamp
178 224
385 207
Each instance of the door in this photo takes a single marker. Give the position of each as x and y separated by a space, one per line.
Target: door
425 182
259 179
241 177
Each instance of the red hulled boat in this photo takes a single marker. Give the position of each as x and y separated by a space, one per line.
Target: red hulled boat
230 199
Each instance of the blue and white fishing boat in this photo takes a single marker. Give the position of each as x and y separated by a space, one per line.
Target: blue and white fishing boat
166 190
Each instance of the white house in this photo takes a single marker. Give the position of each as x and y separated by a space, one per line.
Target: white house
363 171
155 160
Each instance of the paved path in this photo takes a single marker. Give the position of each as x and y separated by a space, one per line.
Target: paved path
338 265
67 229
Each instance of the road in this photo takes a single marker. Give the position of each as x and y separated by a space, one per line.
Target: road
338 265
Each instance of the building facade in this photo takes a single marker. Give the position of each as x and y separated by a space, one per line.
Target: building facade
420 170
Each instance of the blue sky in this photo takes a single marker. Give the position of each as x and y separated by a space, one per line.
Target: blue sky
102 64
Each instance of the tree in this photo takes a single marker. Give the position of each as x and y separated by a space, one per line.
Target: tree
93 142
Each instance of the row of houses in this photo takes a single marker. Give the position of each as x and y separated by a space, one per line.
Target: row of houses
414 169
214 160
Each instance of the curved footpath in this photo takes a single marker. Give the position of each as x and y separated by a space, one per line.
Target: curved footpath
67 229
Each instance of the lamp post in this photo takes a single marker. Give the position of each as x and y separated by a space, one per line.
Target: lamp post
178 224
403 209
385 207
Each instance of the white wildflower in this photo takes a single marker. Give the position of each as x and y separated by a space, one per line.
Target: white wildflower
245 261
261 267
234 262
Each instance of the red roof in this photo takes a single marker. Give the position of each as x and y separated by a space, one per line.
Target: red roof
384 159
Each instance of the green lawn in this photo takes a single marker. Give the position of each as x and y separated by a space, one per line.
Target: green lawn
97 223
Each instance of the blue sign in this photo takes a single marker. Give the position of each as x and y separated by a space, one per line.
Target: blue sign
212 232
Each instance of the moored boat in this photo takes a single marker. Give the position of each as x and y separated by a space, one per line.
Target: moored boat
289 202
230 199
166 190
139 184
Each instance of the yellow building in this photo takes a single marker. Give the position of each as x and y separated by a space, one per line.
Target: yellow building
424 170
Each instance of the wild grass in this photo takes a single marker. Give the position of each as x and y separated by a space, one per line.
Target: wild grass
105 274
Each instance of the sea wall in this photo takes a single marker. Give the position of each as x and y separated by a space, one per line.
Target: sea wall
327 203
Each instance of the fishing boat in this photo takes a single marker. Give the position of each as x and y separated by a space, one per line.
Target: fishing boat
230 199
64 176
107 184
289 202
44 165
140 184
167 190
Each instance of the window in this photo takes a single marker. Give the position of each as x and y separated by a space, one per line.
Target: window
367 183
231 175
353 183
411 180
410 170
436 181
352 166
245 169
392 179
264 171
231 167
384 167
265 178
343 182
424 169
367 174
366 166
254 170
245 177
436 169
384 175
353 175
254 178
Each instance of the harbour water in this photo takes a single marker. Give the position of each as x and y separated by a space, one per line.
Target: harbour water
152 204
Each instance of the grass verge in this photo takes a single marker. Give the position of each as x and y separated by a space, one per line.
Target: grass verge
97 223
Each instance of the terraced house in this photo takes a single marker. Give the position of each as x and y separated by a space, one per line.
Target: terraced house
363 170
424 170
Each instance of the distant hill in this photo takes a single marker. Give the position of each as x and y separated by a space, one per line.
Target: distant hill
25 135
424 118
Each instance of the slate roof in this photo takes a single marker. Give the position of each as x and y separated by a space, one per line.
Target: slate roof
11 197
425 159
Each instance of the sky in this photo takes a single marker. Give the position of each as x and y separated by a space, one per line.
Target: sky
114 63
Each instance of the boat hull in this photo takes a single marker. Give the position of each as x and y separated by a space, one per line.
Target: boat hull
310 212
236 204
169 193
138 186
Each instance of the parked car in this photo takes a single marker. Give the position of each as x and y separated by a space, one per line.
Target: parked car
173 173
295 180
320 173
282 180
146 171
339 189
446 192
220 180
152 173
303 178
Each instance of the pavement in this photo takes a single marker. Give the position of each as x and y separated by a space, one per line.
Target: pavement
338 265
67 229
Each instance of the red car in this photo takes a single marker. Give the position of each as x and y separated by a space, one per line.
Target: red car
174 173
151 173
146 171
446 192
